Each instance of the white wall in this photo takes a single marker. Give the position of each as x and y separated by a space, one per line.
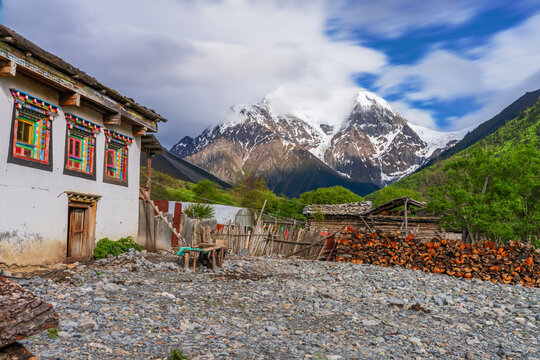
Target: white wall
33 202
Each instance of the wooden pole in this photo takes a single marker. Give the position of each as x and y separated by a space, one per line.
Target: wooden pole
261 213
406 222
148 171
365 222
146 197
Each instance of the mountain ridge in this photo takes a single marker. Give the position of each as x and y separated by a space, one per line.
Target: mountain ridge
490 126
373 144
524 128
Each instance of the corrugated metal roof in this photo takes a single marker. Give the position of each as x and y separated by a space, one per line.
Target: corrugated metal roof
225 214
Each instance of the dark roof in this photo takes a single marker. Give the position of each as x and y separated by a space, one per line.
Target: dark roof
349 209
19 42
181 169
395 203
150 143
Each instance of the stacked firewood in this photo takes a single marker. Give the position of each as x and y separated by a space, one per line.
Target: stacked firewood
512 263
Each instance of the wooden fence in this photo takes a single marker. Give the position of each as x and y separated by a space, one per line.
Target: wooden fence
263 239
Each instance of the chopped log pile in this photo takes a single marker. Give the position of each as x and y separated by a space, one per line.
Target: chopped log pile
21 314
512 263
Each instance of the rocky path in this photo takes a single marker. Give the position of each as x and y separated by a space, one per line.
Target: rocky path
141 306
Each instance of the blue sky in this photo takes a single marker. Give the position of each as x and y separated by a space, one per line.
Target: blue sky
412 45
446 65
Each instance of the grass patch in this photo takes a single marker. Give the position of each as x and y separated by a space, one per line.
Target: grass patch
53 333
177 354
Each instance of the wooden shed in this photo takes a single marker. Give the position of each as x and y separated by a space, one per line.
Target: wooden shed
403 214
330 218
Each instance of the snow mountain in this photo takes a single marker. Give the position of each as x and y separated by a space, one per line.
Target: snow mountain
374 144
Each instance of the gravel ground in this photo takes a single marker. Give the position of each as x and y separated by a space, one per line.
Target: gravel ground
141 306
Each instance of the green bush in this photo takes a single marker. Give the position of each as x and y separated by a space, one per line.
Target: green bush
106 247
330 195
200 211
392 192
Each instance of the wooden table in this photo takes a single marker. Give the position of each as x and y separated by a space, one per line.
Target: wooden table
216 253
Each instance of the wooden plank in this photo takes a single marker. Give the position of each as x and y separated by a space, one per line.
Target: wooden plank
70 99
405 214
289 242
317 242
9 69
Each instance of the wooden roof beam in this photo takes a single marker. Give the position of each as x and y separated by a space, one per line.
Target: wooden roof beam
9 69
113 119
70 99
63 84
139 130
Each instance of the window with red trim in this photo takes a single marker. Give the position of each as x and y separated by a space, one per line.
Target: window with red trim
30 143
116 157
80 146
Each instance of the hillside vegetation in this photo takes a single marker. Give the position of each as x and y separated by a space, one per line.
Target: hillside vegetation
251 192
493 124
491 189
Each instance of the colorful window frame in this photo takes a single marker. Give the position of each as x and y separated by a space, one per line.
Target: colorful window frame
81 137
116 158
31 131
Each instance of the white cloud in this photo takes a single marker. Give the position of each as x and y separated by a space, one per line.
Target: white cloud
192 60
393 18
329 106
441 74
512 56
494 74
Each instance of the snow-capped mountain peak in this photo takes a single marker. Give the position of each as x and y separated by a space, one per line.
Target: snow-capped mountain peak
372 144
367 100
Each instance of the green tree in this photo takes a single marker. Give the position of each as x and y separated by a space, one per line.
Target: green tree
210 192
491 195
330 195
392 192
252 191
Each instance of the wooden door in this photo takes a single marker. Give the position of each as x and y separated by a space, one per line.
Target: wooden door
77 233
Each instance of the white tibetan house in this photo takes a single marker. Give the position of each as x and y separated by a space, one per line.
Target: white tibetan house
69 157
